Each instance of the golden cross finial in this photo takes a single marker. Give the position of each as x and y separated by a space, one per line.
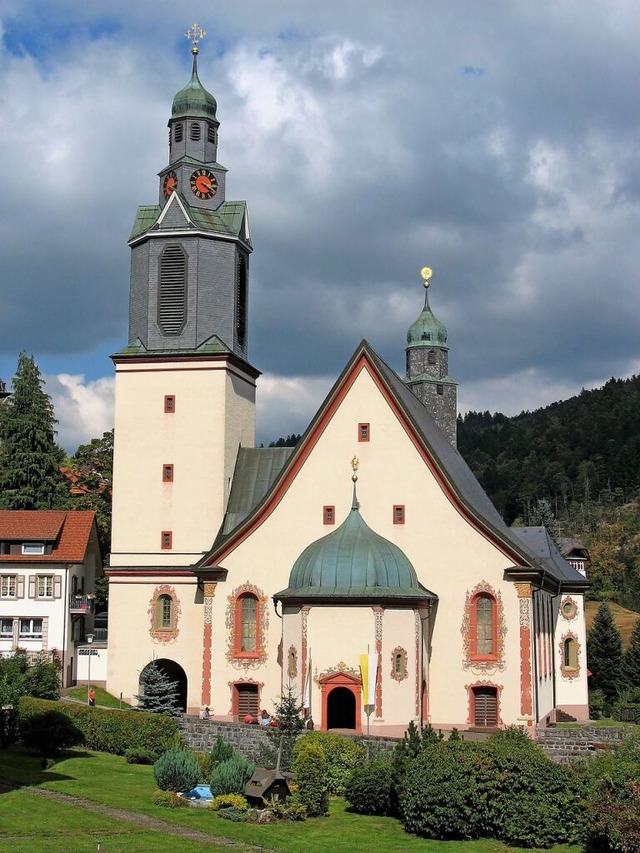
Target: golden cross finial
354 466
195 34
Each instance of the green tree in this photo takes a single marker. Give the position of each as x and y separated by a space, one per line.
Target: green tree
158 694
631 660
30 459
604 654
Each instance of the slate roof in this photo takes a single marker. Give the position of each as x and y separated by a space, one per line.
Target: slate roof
69 531
450 465
538 540
212 346
256 470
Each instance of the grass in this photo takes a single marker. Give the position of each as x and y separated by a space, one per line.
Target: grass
102 697
603 723
109 780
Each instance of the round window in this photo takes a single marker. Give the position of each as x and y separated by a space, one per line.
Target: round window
569 608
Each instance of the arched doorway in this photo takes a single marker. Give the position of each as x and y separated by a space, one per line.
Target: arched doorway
341 700
341 709
175 673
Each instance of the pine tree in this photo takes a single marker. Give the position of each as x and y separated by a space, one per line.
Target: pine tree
631 661
604 654
159 695
30 459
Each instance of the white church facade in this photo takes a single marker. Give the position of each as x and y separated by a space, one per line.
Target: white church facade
243 570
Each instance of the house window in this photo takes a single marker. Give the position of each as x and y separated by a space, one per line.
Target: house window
195 131
31 629
570 653
328 515
164 613
45 586
8 586
166 540
169 404
484 608
398 514
29 548
247 625
363 432
167 473
6 628
178 131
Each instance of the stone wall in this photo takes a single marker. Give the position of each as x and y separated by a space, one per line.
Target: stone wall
565 745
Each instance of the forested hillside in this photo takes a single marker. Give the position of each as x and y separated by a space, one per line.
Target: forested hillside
574 466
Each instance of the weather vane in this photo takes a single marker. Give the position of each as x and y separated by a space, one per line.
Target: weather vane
195 34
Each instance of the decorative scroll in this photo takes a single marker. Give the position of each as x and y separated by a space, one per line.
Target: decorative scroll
379 613
399 673
170 634
523 591
262 623
497 663
209 593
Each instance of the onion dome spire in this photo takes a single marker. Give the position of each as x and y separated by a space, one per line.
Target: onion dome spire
194 100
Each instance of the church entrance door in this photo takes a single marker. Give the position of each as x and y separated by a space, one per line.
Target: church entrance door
341 709
341 699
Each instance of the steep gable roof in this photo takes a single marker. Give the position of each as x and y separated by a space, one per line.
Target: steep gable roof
69 532
447 465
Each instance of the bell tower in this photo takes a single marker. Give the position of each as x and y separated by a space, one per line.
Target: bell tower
428 366
185 391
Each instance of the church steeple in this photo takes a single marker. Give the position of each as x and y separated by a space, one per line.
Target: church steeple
428 365
190 253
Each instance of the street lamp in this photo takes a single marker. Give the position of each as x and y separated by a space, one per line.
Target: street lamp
89 640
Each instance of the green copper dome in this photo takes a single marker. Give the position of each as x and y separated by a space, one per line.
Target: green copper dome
427 330
353 561
194 100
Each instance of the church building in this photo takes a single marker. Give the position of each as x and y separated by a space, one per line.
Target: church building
241 571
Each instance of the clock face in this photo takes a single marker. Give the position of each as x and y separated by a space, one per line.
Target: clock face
169 184
203 183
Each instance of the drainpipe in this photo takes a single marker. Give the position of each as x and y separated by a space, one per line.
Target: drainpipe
534 600
66 615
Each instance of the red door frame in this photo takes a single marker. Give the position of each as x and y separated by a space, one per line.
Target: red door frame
341 679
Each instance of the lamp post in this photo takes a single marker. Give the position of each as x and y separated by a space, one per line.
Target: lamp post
89 641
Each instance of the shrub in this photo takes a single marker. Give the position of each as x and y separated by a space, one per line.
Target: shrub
49 733
169 800
310 768
613 802
235 815
370 789
220 751
290 809
176 770
109 730
135 755
8 726
203 761
415 740
236 801
598 705
343 756
231 776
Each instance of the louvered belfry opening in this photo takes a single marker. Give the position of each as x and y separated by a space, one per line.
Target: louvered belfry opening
241 302
172 290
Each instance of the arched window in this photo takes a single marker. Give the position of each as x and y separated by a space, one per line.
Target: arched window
164 613
247 625
570 653
483 627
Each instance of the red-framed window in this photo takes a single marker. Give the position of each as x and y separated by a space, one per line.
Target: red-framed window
169 403
167 473
166 540
398 514
247 626
364 432
328 515
483 627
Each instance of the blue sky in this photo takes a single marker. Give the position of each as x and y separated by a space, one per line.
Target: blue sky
496 142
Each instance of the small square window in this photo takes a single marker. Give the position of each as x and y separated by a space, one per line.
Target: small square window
8 586
398 514
328 515
363 432
169 403
167 473
166 540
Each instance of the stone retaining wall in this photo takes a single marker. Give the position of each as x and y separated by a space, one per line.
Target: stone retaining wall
562 745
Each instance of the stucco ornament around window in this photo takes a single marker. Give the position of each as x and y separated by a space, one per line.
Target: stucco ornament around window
340 668
292 662
399 664
498 663
568 608
569 650
158 632
253 660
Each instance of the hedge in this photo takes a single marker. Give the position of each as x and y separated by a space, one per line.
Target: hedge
108 730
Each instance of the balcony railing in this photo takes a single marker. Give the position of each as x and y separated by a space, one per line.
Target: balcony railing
81 604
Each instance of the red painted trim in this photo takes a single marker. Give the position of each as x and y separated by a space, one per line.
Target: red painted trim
169 404
302 452
364 432
205 698
246 371
146 573
237 628
398 514
526 697
473 628
328 515
166 540
167 473
234 695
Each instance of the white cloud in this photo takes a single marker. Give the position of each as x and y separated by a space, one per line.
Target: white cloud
84 409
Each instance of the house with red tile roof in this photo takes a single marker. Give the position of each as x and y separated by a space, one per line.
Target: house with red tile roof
49 560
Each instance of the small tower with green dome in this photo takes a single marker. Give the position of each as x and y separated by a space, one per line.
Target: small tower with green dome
428 366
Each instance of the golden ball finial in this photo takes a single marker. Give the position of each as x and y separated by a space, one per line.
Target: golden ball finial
426 273
354 466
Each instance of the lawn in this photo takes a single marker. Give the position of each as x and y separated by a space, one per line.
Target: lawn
109 780
103 698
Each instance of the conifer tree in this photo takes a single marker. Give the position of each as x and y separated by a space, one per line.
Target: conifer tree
30 459
159 695
604 654
631 661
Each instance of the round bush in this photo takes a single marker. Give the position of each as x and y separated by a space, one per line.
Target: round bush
235 801
370 789
310 768
231 776
135 755
343 756
176 770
